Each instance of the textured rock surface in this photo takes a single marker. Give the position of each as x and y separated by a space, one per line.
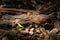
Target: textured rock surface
39 20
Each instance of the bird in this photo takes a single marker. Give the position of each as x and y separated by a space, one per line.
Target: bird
37 19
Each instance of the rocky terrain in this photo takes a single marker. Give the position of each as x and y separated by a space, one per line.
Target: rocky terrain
29 20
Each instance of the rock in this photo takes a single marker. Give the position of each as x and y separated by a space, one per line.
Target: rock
54 31
57 24
4 38
31 32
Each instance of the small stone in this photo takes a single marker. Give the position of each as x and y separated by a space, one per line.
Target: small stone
55 30
4 38
31 31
